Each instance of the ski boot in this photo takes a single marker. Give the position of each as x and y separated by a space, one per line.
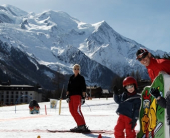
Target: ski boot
74 129
83 129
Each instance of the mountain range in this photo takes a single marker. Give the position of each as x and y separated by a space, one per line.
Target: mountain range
34 46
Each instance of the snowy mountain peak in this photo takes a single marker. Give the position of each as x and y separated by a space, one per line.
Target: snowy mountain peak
12 10
55 39
100 25
62 19
104 30
11 14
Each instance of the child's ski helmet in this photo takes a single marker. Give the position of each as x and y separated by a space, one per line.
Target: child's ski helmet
130 80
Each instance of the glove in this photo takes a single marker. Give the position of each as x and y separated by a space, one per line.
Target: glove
67 98
133 123
82 100
116 91
155 92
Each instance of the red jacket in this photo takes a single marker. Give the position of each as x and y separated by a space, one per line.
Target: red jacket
157 65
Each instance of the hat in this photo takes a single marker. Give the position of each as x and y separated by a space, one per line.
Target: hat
141 51
129 80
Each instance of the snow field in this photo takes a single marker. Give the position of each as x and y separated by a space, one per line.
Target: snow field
99 114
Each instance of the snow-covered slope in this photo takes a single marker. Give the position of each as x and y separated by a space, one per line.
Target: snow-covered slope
55 39
99 114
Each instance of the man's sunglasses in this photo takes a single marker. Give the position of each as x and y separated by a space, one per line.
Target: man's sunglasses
143 56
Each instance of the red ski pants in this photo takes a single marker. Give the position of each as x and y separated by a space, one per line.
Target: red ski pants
123 122
75 109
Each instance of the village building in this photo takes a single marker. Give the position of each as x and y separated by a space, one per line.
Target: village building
18 94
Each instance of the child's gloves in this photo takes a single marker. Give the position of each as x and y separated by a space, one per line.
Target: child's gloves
82 100
155 92
67 98
133 123
116 91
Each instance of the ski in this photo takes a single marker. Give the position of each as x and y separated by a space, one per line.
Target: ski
91 131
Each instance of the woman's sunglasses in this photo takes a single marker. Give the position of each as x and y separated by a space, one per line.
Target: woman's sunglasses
76 69
143 56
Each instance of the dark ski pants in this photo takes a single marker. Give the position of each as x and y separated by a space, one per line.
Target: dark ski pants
123 123
75 109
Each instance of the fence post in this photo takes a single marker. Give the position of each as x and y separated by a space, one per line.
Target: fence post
45 110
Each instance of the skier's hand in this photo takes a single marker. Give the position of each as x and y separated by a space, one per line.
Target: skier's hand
155 92
133 123
115 90
82 100
67 98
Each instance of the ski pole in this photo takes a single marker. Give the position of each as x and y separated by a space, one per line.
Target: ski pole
60 101
88 106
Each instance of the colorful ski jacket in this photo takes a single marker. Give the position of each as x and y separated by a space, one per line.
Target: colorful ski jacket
76 85
129 105
165 103
157 65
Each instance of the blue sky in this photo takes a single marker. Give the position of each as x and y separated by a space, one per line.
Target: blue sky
145 21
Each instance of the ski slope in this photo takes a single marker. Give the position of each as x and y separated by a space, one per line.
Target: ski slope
99 114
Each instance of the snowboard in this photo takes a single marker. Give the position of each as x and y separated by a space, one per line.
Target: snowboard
91 131
152 117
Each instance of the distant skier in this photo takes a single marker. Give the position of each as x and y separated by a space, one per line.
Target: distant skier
76 92
128 109
34 107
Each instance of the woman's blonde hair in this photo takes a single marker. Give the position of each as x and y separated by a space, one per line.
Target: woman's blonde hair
76 65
